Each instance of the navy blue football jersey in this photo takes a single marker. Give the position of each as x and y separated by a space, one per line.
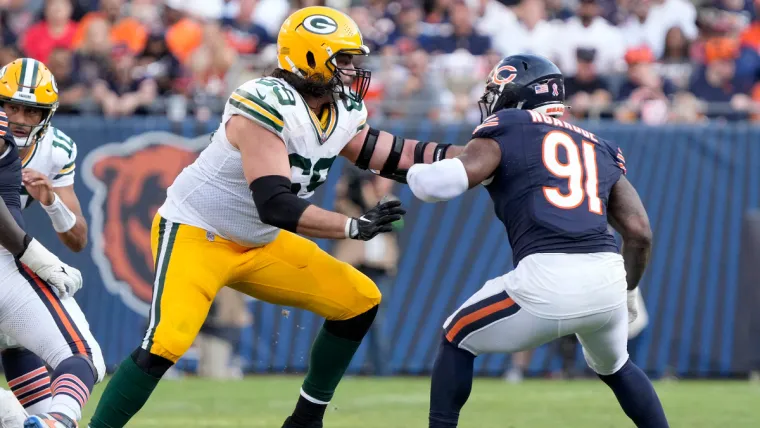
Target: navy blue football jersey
10 171
553 183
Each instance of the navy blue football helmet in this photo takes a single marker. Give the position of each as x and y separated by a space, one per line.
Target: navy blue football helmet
527 82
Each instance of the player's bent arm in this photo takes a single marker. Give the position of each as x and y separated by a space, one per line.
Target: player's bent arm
627 215
449 178
267 170
67 218
392 156
12 237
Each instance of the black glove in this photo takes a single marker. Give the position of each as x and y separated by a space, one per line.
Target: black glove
377 220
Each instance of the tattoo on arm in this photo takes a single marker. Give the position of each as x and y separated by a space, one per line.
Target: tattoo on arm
627 215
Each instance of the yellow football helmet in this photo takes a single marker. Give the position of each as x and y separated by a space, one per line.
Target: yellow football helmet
311 38
28 82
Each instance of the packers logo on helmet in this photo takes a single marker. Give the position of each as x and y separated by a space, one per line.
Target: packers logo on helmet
320 24
312 38
28 82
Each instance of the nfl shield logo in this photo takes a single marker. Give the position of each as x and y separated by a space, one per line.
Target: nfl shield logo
555 90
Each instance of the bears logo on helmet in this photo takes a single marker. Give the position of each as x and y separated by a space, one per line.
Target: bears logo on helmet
129 182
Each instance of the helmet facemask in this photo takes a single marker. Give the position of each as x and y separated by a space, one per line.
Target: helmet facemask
351 82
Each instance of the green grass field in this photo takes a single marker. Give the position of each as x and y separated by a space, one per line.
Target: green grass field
265 401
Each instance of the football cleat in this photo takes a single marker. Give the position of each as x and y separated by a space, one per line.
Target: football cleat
290 424
50 420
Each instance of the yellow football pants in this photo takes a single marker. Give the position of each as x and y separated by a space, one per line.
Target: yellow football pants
191 266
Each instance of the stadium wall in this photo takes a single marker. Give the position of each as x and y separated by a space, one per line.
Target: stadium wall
697 182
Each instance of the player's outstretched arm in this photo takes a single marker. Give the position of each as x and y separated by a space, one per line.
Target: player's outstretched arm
450 178
267 170
627 215
392 156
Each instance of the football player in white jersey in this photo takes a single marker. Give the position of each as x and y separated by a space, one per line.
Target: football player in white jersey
233 217
29 96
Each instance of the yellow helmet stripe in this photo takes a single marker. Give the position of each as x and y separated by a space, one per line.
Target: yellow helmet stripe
258 109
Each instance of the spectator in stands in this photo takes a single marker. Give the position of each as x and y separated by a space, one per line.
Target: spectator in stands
403 38
125 30
644 94
493 16
208 66
437 11
650 22
242 34
748 63
56 30
71 90
183 34
461 35
591 31
532 34
675 63
558 10
16 16
716 85
125 94
587 92
158 63
8 53
412 93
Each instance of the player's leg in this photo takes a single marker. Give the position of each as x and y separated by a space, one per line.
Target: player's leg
38 320
489 321
605 350
27 377
294 271
190 270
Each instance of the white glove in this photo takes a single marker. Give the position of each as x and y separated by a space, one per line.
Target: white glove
62 278
633 305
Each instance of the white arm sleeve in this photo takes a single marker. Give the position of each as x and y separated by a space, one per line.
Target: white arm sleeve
439 181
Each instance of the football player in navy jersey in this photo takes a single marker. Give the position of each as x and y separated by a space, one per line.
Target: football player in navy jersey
555 187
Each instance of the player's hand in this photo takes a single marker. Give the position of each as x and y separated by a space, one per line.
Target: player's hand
62 278
377 220
38 186
633 305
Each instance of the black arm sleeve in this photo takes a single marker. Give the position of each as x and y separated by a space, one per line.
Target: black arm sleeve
277 205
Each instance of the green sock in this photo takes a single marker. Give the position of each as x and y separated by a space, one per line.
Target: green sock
330 357
125 394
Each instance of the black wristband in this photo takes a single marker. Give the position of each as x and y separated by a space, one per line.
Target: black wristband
368 148
27 240
440 152
419 151
276 204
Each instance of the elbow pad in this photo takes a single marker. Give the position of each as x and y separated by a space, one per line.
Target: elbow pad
439 181
276 204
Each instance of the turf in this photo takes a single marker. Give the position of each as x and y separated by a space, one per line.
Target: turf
265 401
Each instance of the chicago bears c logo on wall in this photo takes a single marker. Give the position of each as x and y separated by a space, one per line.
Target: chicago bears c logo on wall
320 24
129 182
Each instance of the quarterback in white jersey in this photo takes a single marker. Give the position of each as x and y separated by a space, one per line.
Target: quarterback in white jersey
46 320
233 217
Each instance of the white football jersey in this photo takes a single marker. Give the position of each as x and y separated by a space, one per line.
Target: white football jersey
213 194
54 156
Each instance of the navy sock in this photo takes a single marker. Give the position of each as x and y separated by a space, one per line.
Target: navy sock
28 378
637 397
73 380
451 384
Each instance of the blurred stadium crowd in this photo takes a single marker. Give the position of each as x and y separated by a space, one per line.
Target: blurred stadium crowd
651 60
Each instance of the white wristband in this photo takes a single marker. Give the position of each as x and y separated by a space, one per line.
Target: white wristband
61 216
348 228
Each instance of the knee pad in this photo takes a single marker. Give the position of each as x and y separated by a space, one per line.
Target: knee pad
353 328
149 363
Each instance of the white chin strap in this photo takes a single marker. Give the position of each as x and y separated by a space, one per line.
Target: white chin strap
29 139
552 110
